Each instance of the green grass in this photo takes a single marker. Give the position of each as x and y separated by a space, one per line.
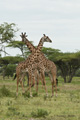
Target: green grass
66 106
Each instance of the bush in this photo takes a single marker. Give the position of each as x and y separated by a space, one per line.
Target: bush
4 92
40 113
12 111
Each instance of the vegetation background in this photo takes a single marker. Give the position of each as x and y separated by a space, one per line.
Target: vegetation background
67 103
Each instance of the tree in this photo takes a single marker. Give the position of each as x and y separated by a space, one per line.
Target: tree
21 46
7 34
51 53
8 64
10 70
68 63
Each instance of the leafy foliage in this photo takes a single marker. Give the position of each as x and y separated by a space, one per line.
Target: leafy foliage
10 60
51 53
7 32
8 65
21 46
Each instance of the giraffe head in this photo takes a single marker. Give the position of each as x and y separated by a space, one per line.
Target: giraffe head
24 37
46 38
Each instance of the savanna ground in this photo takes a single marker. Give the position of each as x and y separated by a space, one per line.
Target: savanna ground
66 106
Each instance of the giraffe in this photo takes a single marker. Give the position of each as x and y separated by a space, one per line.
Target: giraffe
21 64
28 64
46 65
51 69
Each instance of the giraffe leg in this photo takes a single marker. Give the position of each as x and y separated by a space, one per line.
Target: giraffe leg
22 83
30 88
33 84
54 83
37 83
52 88
30 85
37 80
44 82
33 81
22 86
41 80
17 86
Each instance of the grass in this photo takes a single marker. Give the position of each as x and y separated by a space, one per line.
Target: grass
66 106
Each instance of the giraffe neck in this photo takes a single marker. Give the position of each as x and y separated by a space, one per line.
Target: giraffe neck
30 46
40 45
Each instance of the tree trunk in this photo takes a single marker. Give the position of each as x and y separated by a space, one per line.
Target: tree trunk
64 79
70 77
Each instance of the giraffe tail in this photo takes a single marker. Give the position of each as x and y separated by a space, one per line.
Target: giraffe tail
15 77
56 81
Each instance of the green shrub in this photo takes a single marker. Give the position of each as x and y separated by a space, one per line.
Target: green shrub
4 92
12 111
39 113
